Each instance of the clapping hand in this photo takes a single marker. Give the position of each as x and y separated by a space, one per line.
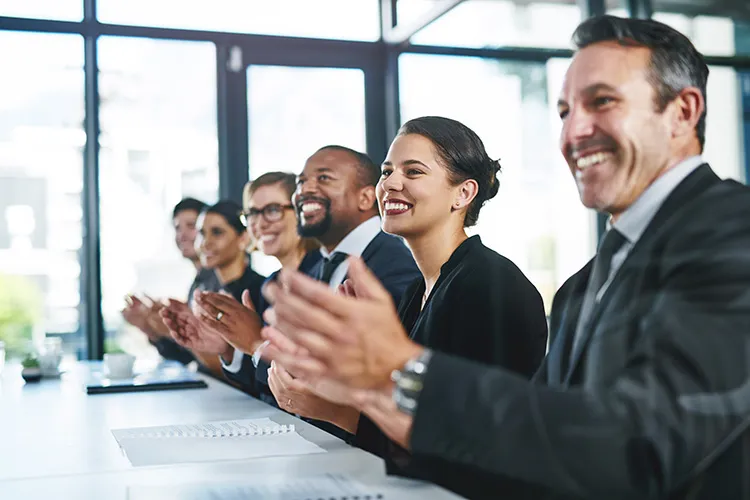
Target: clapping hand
356 341
238 324
189 333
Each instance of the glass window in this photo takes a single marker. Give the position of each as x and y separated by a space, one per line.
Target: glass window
293 112
337 19
711 35
41 177
725 124
536 220
158 144
61 10
500 23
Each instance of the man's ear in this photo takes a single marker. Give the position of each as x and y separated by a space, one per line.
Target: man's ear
687 109
367 198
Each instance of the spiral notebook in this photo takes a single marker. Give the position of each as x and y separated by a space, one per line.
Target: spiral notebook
327 486
212 441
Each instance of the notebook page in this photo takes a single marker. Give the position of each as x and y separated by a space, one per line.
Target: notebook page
212 441
328 486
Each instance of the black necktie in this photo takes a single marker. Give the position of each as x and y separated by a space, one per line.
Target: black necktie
610 244
330 264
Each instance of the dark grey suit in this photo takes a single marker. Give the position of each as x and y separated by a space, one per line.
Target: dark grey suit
658 402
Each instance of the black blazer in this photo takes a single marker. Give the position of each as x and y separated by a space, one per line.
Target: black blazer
251 281
657 405
482 308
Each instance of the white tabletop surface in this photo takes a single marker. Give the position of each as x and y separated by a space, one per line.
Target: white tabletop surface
57 441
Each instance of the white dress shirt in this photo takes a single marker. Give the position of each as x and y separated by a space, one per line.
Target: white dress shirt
634 221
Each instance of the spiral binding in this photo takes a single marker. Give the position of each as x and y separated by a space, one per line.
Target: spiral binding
211 431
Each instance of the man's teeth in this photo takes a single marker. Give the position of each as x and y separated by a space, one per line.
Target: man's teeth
396 206
311 207
590 160
267 237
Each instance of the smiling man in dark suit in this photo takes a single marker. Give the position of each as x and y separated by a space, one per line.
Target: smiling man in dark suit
645 392
335 202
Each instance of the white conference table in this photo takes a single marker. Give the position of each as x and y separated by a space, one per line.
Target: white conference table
56 442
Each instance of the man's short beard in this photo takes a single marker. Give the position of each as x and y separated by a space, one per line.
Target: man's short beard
315 230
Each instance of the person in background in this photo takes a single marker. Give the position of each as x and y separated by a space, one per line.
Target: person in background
645 392
470 301
223 241
144 314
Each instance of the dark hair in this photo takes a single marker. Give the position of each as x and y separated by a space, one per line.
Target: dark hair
462 152
286 181
675 62
369 173
231 213
188 204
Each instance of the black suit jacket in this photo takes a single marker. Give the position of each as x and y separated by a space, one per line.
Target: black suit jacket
482 308
657 405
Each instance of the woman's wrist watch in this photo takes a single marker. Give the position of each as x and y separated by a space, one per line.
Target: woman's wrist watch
409 382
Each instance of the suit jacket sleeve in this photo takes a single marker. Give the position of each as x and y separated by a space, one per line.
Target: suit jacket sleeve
684 389
169 349
245 377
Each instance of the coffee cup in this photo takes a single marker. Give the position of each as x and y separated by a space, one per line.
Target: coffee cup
118 365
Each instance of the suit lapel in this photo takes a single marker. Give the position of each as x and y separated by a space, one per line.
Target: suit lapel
567 319
701 179
371 249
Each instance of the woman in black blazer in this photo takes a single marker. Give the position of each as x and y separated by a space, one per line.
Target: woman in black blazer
471 301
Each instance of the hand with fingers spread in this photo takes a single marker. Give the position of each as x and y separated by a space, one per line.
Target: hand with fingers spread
326 388
135 312
144 315
358 341
238 324
189 333
348 403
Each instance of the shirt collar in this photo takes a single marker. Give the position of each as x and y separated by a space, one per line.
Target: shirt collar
357 240
633 221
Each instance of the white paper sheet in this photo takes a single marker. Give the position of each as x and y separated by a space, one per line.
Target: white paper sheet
328 486
211 441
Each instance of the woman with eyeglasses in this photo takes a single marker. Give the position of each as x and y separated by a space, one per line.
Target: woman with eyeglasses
271 221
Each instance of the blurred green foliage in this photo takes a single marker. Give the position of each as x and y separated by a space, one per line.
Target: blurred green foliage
112 346
20 310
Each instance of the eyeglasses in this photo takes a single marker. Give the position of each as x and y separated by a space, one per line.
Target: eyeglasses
273 212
